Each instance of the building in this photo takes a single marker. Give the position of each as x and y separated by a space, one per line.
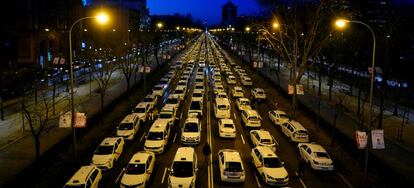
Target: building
228 14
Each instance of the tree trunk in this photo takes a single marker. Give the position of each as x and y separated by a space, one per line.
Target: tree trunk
334 128
53 97
102 101
127 83
37 146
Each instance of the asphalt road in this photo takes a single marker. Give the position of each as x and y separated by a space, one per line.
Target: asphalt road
286 150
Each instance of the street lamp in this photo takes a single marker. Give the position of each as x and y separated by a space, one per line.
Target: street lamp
160 25
341 24
101 18
275 25
247 29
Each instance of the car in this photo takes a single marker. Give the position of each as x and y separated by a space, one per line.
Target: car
86 176
141 110
316 156
268 165
237 92
231 166
198 96
263 138
231 79
183 171
182 83
108 152
173 100
181 91
258 93
168 113
295 131
243 104
218 88
157 136
178 65
251 118
221 95
150 99
164 81
278 117
191 131
158 90
226 128
246 81
128 127
196 109
138 171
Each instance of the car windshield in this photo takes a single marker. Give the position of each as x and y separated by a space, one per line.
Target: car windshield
245 102
260 92
179 91
199 80
272 162
266 141
147 99
302 132
322 155
172 101
163 82
155 136
158 88
228 126
223 107
104 150
182 83
126 126
253 118
199 87
197 95
191 127
135 169
139 110
222 96
239 90
233 167
182 169
283 116
195 106
165 116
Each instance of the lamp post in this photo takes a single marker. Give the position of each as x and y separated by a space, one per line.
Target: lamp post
102 18
341 23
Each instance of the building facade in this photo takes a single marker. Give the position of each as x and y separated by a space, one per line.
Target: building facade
228 14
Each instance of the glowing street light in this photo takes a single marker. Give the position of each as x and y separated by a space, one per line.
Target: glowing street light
247 29
102 18
160 25
275 25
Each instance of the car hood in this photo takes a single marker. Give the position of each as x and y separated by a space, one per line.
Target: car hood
276 172
124 132
227 130
323 161
129 179
184 182
154 143
191 134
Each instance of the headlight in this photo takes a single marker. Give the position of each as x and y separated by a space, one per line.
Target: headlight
269 177
315 162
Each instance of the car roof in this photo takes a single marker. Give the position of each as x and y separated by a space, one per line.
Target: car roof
184 154
129 118
315 147
168 107
227 121
243 99
192 120
142 105
266 151
80 176
297 125
140 157
231 155
263 134
238 87
252 112
159 85
279 112
158 125
109 141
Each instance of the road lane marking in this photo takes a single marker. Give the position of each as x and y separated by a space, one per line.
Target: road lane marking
303 183
348 184
175 136
163 176
235 117
241 135
257 180
142 137
119 176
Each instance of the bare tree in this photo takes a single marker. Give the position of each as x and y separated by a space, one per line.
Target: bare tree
38 117
339 110
299 38
103 76
128 67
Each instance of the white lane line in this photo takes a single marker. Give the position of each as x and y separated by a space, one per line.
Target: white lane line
241 135
119 176
303 183
163 176
142 137
235 117
257 180
175 136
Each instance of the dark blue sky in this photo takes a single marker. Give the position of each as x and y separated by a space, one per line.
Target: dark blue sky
206 10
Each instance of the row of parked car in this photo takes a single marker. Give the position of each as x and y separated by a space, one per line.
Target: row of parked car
141 165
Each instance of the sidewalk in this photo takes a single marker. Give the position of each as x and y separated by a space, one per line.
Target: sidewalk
397 155
20 153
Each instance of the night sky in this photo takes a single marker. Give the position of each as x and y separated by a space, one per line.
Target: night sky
206 10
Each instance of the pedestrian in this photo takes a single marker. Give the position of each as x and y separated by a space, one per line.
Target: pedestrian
206 152
301 168
276 104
